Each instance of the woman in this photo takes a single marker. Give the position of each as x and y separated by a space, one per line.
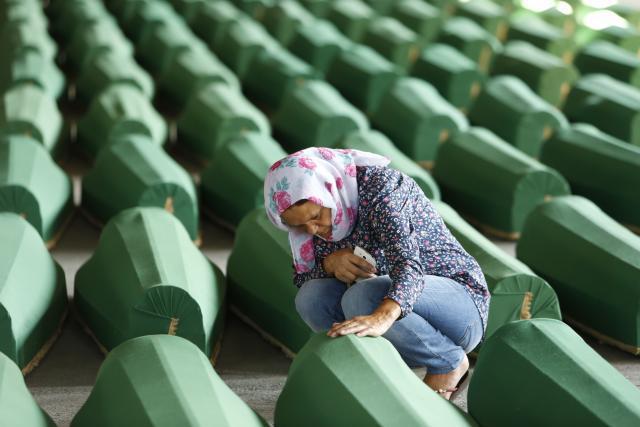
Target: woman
428 297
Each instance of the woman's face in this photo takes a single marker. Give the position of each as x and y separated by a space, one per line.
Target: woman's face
309 218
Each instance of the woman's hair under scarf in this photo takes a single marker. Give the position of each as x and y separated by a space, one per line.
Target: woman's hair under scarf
324 176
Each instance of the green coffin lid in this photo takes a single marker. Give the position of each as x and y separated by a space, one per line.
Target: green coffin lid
29 12
17 406
188 9
393 40
488 14
145 16
544 73
147 277
30 66
93 39
319 8
610 105
351 17
213 20
546 375
362 76
493 182
161 42
162 381
119 111
282 19
274 74
213 115
33 295
315 114
419 16
626 38
592 262
383 7
510 109
456 77
34 186
27 109
417 119
232 185
600 167
265 293
76 14
472 40
254 8
351 381
375 142
607 58
17 36
540 33
318 43
109 68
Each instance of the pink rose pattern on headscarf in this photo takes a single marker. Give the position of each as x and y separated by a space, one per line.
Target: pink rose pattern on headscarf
325 176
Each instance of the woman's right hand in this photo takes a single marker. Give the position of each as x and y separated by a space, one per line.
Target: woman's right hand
347 267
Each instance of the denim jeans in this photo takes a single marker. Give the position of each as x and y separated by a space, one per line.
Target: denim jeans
443 326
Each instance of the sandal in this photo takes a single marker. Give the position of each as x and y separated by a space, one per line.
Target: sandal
462 384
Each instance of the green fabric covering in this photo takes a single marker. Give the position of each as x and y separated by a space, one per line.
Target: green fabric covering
600 167
546 375
274 74
543 35
157 46
27 109
265 293
213 21
516 292
417 119
109 68
232 185
17 36
77 14
187 9
456 77
315 114
136 172
319 8
215 114
393 40
17 406
33 185
30 66
510 109
421 17
383 7
351 381
630 12
254 8
472 40
318 43
591 261
626 38
607 58
119 111
145 16
282 19
362 76
610 105
491 16
26 12
375 142
351 17
448 7
33 294
147 277
546 74
493 182
93 39
162 381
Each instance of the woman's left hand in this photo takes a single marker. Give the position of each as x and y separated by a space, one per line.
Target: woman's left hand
373 325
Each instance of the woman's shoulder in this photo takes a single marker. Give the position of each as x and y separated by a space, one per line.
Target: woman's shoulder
380 181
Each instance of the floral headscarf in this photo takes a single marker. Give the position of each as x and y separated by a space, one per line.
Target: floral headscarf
324 176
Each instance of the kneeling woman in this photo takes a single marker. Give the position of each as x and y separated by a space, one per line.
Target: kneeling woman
428 296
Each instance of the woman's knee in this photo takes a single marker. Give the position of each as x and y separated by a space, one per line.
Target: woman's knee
364 297
318 303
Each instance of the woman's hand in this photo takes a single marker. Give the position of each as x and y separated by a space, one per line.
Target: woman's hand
373 325
347 267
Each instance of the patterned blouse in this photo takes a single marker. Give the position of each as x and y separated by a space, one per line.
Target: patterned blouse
400 228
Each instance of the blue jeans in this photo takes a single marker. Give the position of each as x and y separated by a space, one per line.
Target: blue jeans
443 326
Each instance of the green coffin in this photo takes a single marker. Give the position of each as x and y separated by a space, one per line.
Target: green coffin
383 7
375 142
318 43
516 292
315 114
491 16
319 8
607 58
232 185
253 8
118 112
136 172
265 294
510 109
472 40
33 295
283 18
73 15
144 16
493 182
546 74
162 381
215 114
23 12
419 16
626 38
147 277
162 42
393 40
351 17
592 262
351 381
94 39
456 77
17 406
417 119
546 375
543 35
30 66
34 186
213 21
27 109
17 36
600 167
362 76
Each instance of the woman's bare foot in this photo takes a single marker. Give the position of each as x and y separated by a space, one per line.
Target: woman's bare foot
449 380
